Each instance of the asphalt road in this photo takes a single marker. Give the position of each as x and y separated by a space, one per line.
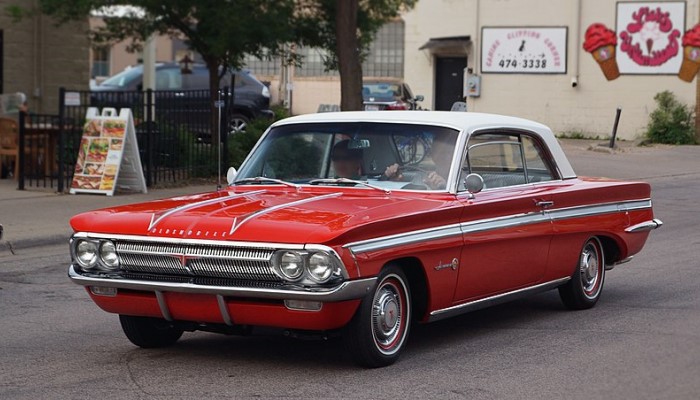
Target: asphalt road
642 340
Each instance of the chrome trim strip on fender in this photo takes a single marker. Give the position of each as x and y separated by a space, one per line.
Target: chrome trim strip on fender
404 238
224 310
348 290
645 226
155 221
483 225
493 300
258 213
163 306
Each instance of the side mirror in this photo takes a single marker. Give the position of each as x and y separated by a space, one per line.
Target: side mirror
420 97
474 183
231 175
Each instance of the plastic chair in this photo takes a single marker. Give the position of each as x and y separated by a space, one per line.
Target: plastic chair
9 141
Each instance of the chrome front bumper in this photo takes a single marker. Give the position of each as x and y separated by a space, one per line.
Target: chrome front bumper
348 290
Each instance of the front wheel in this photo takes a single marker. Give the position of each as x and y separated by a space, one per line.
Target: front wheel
586 284
149 332
378 331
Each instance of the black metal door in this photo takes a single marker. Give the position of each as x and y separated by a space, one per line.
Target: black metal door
449 80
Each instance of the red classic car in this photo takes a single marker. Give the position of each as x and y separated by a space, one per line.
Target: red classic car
362 224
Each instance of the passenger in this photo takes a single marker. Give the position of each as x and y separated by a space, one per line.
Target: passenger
441 153
347 162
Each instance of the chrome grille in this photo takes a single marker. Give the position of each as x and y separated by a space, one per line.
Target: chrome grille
212 261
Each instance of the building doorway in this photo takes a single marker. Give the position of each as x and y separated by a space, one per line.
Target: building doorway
449 81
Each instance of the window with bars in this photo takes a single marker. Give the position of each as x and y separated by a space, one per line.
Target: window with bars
100 61
386 53
262 66
385 57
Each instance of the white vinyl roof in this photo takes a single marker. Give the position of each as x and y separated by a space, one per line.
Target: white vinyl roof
469 122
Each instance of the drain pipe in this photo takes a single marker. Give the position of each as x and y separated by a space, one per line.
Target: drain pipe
576 50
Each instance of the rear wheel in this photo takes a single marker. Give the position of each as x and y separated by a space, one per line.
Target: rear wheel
378 331
149 332
586 284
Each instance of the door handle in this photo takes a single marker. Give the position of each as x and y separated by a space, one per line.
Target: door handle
544 203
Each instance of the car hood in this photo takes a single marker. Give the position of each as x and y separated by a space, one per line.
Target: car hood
270 215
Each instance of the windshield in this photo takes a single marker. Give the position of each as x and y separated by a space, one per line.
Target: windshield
123 78
387 155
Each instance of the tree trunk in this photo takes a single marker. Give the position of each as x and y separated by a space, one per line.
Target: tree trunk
348 51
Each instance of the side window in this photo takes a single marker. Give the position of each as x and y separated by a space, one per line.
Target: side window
168 79
197 80
506 159
537 169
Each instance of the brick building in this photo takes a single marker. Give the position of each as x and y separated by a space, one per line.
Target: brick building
37 57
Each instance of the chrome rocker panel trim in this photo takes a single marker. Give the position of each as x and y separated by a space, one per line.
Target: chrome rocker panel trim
494 300
645 226
348 290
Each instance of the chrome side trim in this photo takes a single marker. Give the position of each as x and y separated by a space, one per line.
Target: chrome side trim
224 310
645 226
493 300
258 213
163 306
599 209
348 290
155 221
505 222
483 225
404 238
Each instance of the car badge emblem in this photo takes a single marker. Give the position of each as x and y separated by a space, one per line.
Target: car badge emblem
454 264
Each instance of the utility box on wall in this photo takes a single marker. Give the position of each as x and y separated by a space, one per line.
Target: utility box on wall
472 86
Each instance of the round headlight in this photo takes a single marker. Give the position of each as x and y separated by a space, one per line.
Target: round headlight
320 267
108 255
86 253
291 265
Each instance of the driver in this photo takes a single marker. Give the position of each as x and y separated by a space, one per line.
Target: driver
347 163
441 154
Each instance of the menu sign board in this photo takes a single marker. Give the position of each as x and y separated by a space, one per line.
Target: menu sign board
523 50
107 150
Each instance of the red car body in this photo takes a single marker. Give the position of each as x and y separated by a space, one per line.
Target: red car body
456 250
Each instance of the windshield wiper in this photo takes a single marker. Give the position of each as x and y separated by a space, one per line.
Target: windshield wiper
262 179
346 180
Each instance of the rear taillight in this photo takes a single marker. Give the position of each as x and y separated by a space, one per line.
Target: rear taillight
397 106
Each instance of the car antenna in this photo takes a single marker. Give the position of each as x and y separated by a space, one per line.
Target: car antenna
219 105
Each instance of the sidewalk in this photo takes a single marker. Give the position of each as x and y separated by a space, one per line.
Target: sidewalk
40 217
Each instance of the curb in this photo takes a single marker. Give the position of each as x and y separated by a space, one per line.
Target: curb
50 240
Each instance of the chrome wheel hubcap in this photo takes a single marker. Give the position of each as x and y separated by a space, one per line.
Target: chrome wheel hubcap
386 316
590 268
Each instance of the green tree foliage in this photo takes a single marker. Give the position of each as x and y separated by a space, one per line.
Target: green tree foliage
671 122
222 32
345 29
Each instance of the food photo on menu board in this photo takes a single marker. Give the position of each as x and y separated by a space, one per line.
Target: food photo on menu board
99 154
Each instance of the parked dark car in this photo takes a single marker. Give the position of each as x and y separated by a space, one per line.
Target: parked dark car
388 95
251 97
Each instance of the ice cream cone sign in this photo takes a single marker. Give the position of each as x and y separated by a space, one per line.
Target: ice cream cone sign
691 54
601 43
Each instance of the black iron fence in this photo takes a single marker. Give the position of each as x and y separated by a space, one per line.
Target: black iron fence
173 131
